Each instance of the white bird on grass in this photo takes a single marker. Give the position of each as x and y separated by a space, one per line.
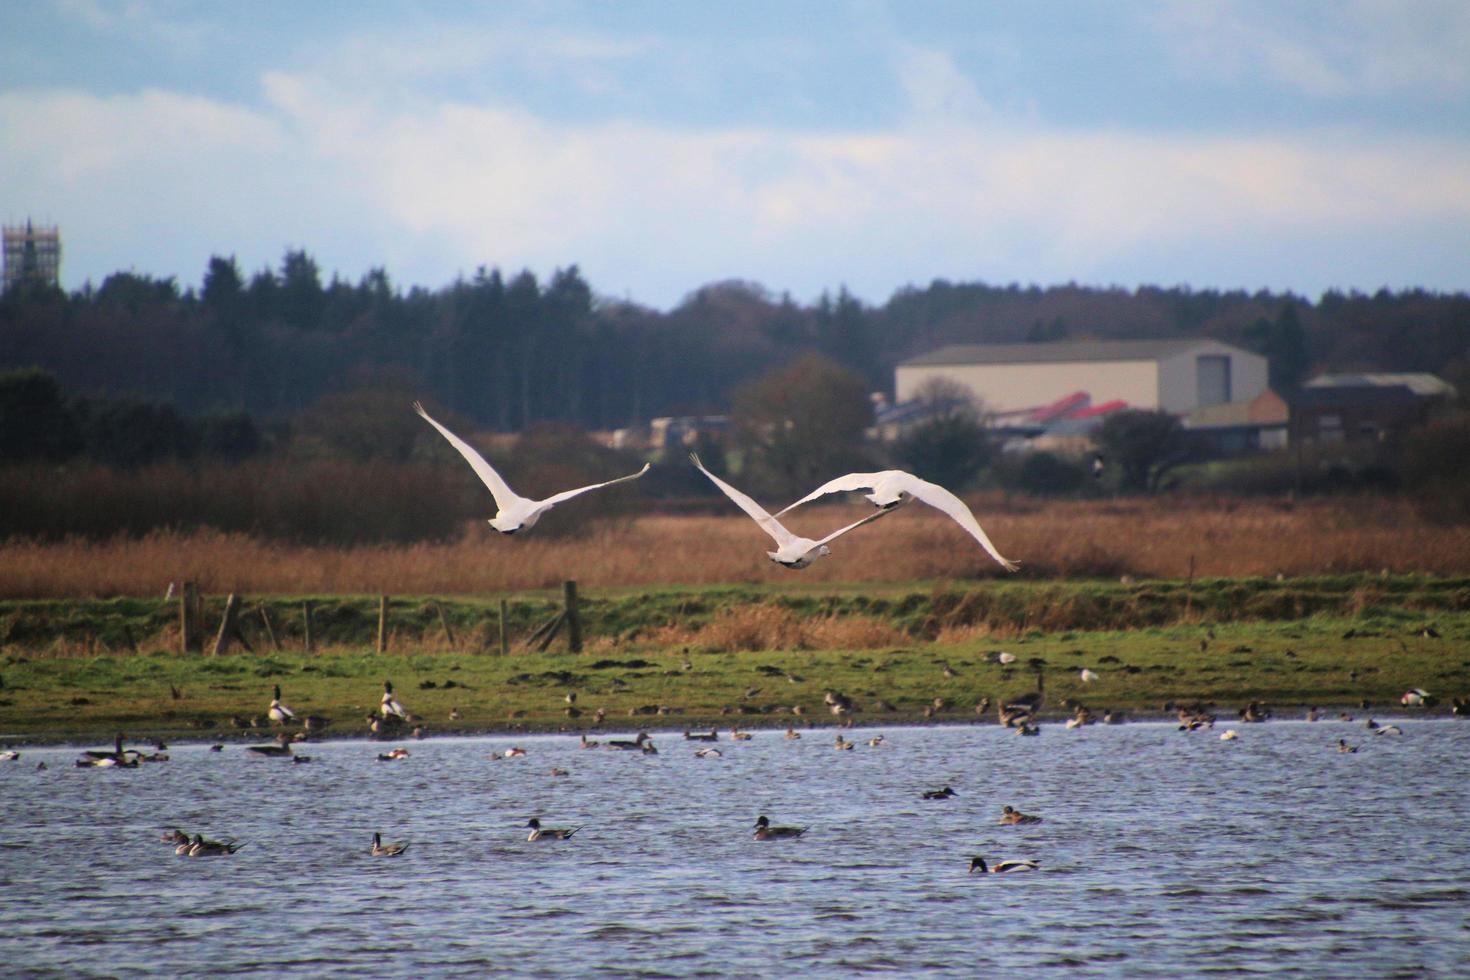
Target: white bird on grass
1088 676
516 513
279 713
389 707
892 487
791 550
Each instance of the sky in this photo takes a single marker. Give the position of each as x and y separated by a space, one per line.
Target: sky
661 146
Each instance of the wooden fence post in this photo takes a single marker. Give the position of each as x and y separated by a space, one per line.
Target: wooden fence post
574 621
504 644
306 618
229 625
269 629
382 624
444 622
191 638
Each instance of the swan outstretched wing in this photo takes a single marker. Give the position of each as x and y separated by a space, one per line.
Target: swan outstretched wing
849 483
941 499
504 495
569 494
843 530
757 513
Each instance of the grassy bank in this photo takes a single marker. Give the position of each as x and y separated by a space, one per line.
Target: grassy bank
68 668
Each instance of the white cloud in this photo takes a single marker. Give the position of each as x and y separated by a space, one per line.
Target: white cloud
434 187
1326 50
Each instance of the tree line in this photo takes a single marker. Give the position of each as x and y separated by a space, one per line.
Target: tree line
511 351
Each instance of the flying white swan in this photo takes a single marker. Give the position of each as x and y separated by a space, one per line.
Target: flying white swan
516 513
791 550
891 487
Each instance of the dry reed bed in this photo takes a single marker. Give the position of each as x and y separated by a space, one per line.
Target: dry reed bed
1145 538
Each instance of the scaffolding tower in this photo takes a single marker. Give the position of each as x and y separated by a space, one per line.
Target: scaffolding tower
32 256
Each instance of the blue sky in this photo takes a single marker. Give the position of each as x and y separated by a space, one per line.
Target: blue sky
804 146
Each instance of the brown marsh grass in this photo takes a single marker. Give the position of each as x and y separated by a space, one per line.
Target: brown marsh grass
1139 537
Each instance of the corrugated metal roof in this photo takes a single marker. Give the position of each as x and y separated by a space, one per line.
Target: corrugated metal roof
1419 382
1082 350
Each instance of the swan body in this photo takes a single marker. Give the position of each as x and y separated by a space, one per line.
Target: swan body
889 488
515 513
792 550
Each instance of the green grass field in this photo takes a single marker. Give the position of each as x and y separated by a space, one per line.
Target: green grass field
69 670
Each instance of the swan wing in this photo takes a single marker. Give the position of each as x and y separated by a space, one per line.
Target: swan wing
855 524
942 500
569 494
757 513
850 482
504 495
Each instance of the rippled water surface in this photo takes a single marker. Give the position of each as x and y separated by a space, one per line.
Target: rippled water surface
1161 854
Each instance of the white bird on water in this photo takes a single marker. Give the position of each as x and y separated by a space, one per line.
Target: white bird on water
891 487
791 550
516 513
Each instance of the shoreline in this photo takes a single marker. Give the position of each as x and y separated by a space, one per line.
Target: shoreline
1328 714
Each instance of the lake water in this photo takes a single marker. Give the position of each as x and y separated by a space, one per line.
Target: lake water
1162 854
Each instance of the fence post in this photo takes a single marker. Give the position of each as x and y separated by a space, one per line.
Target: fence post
444 621
574 621
228 625
270 630
504 644
306 617
191 639
382 624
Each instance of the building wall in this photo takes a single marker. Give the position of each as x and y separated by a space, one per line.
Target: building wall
1008 387
1179 377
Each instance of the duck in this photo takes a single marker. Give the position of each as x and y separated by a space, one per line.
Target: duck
764 830
588 743
736 735
1088 676
9 755
1311 714
1378 729
454 714
559 771
389 706
217 747
514 752
624 745
1002 867
281 748
938 794
315 723
175 837
707 754
1028 728
792 550
514 513
709 736
1417 697
792 735
548 833
1229 735
278 713
1344 747
875 741
841 744
201 847
116 756
392 755
1010 816
387 850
